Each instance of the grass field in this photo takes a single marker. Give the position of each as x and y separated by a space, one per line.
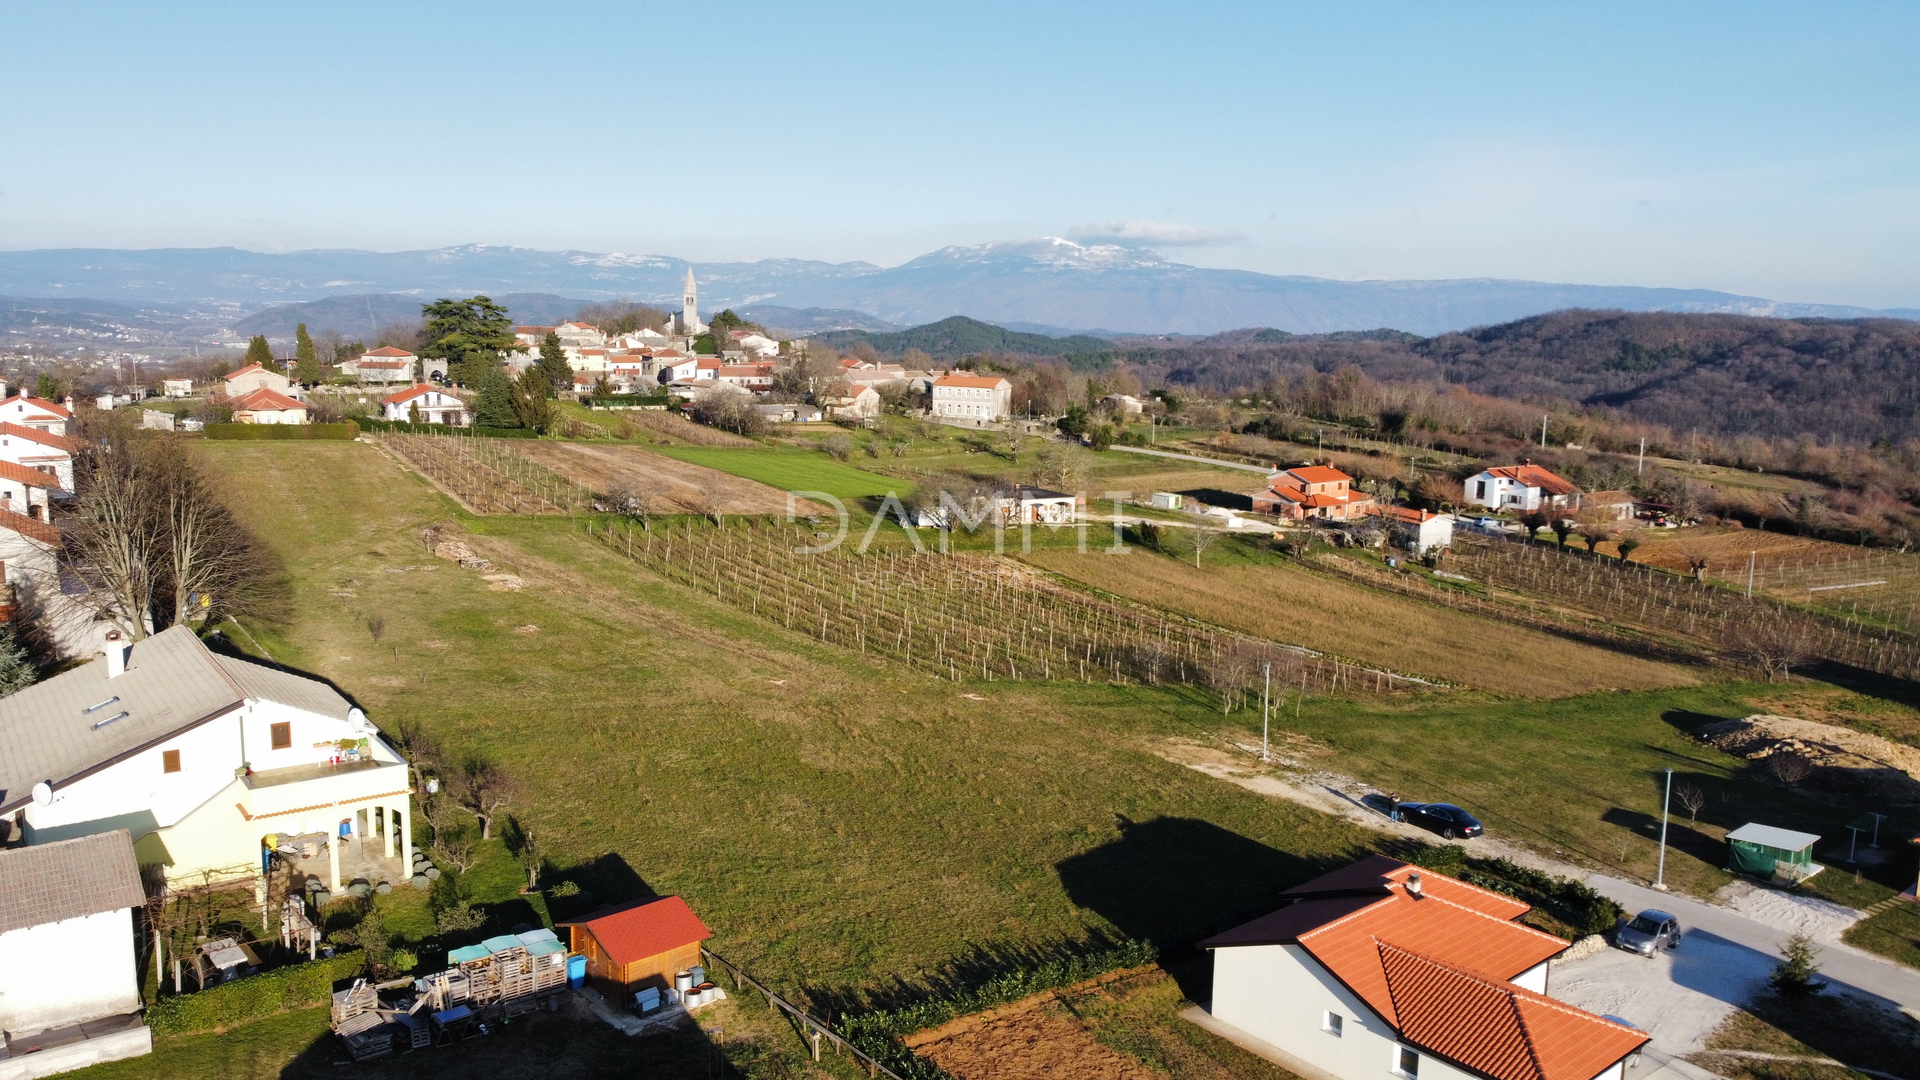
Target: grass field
1282 602
840 826
790 470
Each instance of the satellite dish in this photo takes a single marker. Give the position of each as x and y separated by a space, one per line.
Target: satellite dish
42 793
357 718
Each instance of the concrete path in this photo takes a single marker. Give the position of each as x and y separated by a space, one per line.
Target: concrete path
1261 469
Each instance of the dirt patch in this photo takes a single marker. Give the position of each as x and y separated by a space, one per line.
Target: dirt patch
1031 1039
1836 756
683 486
667 429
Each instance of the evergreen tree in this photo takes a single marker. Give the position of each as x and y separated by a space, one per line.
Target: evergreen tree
533 400
494 406
16 668
258 352
553 364
306 357
470 335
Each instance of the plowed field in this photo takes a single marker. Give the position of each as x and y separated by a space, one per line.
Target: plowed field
608 468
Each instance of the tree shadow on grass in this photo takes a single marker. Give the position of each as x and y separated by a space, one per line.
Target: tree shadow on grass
1863 682
602 880
1681 836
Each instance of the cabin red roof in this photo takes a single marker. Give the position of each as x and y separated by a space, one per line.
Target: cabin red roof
1437 967
265 400
1534 476
45 438
647 929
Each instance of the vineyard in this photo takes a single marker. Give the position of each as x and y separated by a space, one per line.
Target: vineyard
1761 630
488 476
969 616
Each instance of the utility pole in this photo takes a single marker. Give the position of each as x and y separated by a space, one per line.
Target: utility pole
1543 431
1660 875
1750 559
1266 700
1642 467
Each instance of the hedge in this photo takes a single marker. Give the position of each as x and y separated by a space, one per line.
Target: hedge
878 1034
1572 902
404 427
608 401
347 431
256 996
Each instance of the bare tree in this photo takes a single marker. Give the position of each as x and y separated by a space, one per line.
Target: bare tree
1774 645
1789 769
485 791
376 625
1200 540
1693 799
527 847
421 751
455 848
115 537
709 501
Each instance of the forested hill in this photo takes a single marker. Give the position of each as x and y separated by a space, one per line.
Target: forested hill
961 336
1857 380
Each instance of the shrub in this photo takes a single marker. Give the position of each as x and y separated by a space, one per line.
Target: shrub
346 431
402 427
253 997
1793 975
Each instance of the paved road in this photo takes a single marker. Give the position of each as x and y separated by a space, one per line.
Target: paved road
1847 967
1261 469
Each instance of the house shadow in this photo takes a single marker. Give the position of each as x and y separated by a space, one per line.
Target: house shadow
1231 500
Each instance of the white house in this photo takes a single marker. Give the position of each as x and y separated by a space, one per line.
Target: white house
1382 969
983 399
1519 488
254 377
69 989
28 491
36 413
1428 531
36 449
859 401
1124 404
434 405
267 407
201 757
176 388
46 605
1036 506
678 366
381 366
757 376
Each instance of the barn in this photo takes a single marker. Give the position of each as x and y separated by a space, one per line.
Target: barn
635 946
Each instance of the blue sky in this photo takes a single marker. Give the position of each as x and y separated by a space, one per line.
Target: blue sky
1763 149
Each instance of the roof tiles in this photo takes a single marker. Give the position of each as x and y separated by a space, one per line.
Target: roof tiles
68 879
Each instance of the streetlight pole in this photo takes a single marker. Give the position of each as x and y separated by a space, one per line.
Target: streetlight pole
1266 707
1751 556
1660 875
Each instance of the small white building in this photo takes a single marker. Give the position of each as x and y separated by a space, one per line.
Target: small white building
202 757
176 388
1428 531
1520 488
268 407
1036 506
254 377
381 367
1123 404
432 404
47 606
757 376
857 401
1166 500
37 449
1382 969
69 986
36 413
983 399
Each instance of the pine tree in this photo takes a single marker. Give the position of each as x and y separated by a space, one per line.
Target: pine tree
16 668
533 400
553 364
306 357
470 335
494 406
259 352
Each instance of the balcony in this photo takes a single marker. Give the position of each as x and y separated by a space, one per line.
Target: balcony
311 787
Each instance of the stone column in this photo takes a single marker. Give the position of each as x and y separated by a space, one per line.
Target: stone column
393 831
405 811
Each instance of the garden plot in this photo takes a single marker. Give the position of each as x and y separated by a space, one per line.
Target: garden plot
1031 1039
684 486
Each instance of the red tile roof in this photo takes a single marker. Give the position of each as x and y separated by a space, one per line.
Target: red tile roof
45 438
43 404
1319 474
408 394
1403 513
647 929
21 474
265 400
387 350
1437 968
30 527
982 382
232 375
1534 476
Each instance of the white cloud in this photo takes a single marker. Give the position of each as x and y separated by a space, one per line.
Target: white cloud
1151 234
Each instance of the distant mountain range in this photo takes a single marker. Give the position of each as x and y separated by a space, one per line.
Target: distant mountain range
960 336
1049 284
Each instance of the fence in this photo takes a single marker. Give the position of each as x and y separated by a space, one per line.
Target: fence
814 1031
488 476
965 615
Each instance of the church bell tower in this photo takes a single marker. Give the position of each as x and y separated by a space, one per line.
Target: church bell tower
689 307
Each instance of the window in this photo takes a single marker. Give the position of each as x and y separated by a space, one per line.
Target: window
282 736
1407 1062
1480 489
169 761
1332 1023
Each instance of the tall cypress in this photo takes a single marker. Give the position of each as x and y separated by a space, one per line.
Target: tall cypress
553 364
259 352
306 357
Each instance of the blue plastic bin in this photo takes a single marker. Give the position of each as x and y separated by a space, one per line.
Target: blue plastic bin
576 971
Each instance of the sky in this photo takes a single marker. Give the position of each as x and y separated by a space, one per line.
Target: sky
1763 149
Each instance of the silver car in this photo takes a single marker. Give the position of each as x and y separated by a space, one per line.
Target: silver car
1648 932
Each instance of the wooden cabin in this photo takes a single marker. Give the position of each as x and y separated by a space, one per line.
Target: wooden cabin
633 946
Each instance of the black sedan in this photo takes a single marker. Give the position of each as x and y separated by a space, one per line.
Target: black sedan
1446 819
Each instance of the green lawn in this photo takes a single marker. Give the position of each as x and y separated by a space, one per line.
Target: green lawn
790 469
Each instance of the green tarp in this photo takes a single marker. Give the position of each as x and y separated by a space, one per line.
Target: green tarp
1746 857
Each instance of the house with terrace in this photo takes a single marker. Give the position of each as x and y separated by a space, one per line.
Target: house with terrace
1383 969
208 761
1312 491
1521 488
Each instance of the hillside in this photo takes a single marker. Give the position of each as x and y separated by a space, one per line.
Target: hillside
363 314
960 336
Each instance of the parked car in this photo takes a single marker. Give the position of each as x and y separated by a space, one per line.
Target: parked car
1446 819
1648 933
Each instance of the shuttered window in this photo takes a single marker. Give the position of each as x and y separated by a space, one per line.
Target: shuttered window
169 761
282 736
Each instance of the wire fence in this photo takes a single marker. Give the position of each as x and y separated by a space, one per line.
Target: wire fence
488 476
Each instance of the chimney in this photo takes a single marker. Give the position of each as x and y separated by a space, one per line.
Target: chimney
1413 886
117 650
